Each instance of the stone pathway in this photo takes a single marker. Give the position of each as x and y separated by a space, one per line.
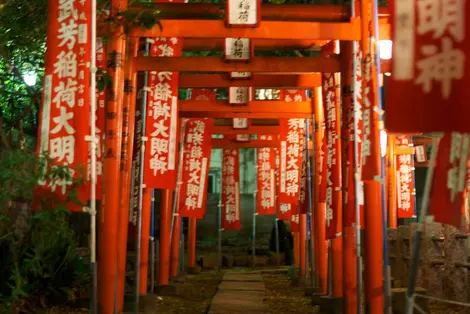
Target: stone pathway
240 293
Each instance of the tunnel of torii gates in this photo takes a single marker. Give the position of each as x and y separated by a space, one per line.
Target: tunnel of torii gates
318 143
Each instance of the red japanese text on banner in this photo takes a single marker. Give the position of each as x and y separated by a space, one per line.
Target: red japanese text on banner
230 189
333 160
355 116
266 182
370 121
404 176
196 164
295 223
162 119
428 90
203 94
65 112
290 162
136 157
303 194
296 95
449 179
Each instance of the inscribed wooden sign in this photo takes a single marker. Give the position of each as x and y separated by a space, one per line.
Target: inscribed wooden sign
428 90
240 123
162 119
404 176
238 49
230 189
65 111
420 153
242 138
266 184
240 75
450 179
243 13
239 96
196 163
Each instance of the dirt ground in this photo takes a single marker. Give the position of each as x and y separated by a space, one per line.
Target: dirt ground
194 296
281 297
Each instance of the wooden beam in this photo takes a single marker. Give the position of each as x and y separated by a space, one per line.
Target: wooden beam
229 143
258 122
258 106
297 12
257 81
249 115
266 30
257 64
269 11
259 130
217 44
272 65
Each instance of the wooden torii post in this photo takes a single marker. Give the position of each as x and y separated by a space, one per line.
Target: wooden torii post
295 31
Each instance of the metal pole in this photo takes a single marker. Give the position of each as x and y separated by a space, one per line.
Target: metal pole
176 194
219 242
276 231
330 268
253 244
93 266
183 260
152 244
220 205
141 185
410 293
310 171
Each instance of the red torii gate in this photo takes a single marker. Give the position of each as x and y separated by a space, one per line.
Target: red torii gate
337 26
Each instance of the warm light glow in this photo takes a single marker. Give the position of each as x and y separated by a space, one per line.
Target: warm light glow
385 48
387 73
383 143
30 78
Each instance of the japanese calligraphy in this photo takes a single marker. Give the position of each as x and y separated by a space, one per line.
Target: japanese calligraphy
237 49
239 95
162 118
65 109
404 176
450 178
230 189
196 162
266 181
242 12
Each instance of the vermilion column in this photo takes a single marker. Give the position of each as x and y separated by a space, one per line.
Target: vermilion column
144 240
108 216
302 240
192 242
321 246
349 232
337 243
373 247
165 225
126 164
175 247
296 249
